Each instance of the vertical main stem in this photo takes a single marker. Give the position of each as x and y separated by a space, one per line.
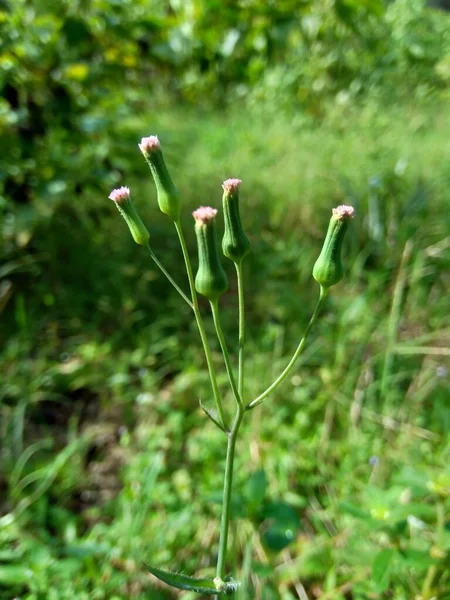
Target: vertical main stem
240 283
232 437
227 488
201 327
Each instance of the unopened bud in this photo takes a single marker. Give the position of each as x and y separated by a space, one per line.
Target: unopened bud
122 199
168 197
328 269
211 279
235 244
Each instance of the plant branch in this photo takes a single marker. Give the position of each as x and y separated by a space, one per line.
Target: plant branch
169 277
226 355
209 414
297 353
240 282
200 325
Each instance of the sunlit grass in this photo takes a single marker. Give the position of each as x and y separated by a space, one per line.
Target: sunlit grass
92 349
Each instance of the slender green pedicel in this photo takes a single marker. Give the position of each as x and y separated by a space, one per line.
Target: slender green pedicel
168 196
328 269
211 280
122 199
235 244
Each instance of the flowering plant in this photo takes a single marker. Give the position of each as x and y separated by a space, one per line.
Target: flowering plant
211 282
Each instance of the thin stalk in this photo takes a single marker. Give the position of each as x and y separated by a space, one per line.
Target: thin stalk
226 355
395 319
240 282
227 488
427 587
169 277
200 325
297 353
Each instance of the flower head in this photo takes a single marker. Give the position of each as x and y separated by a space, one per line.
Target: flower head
235 244
120 194
344 212
168 197
211 279
122 199
231 185
149 144
204 214
328 269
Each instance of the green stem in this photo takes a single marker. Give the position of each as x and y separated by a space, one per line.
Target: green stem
200 325
240 283
227 488
427 591
226 356
395 320
231 447
297 353
169 277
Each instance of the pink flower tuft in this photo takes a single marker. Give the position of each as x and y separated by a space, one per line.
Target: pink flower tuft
204 214
120 194
231 185
344 212
149 144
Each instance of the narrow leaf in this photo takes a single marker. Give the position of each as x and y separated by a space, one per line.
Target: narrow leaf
183 582
211 416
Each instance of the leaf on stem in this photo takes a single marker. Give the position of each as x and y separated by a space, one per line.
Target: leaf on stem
382 569
209 413
206 585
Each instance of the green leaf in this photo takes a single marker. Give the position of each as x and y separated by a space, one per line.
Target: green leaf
354 510
256 490
417 559
206 585
381 569
276 539
282 523
14 575
282 514
211 415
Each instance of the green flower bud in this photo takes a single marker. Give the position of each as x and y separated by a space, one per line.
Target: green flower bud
235 244
211 280
328 269
122 199
168 197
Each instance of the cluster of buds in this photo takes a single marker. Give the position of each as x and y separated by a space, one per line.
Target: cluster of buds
211 280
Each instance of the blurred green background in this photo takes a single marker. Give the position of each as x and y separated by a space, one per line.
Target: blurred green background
342 478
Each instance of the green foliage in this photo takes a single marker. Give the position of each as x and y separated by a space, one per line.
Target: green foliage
72 71
102 363
107 462
206 586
